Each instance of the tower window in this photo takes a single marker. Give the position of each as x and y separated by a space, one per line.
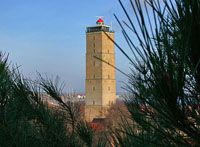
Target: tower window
108 51
108 76
93 102
94 76
108 88
93 88
94 45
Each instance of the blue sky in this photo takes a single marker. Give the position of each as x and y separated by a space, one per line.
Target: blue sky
48 36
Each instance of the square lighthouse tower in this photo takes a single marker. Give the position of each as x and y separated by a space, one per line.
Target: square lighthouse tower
100 81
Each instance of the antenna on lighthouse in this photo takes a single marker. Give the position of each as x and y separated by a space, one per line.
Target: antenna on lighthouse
99 17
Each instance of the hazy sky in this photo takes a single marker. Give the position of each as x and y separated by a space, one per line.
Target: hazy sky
48 36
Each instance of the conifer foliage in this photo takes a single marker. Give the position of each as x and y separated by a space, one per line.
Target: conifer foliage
164 81
27 120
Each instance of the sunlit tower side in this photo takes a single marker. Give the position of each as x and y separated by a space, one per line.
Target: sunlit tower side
100 77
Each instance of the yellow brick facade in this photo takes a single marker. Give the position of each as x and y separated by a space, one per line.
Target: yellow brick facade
100 77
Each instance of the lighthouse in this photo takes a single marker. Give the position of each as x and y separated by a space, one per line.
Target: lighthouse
100 83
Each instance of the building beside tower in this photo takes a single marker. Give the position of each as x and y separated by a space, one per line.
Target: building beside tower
100 81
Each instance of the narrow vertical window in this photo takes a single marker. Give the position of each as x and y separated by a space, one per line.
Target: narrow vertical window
108 51
93 88
108 88
94 76
93 102
94 42
108 76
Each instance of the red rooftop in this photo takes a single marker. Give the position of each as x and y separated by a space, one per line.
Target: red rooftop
100 20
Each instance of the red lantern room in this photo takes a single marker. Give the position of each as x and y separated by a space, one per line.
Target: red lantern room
100 22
